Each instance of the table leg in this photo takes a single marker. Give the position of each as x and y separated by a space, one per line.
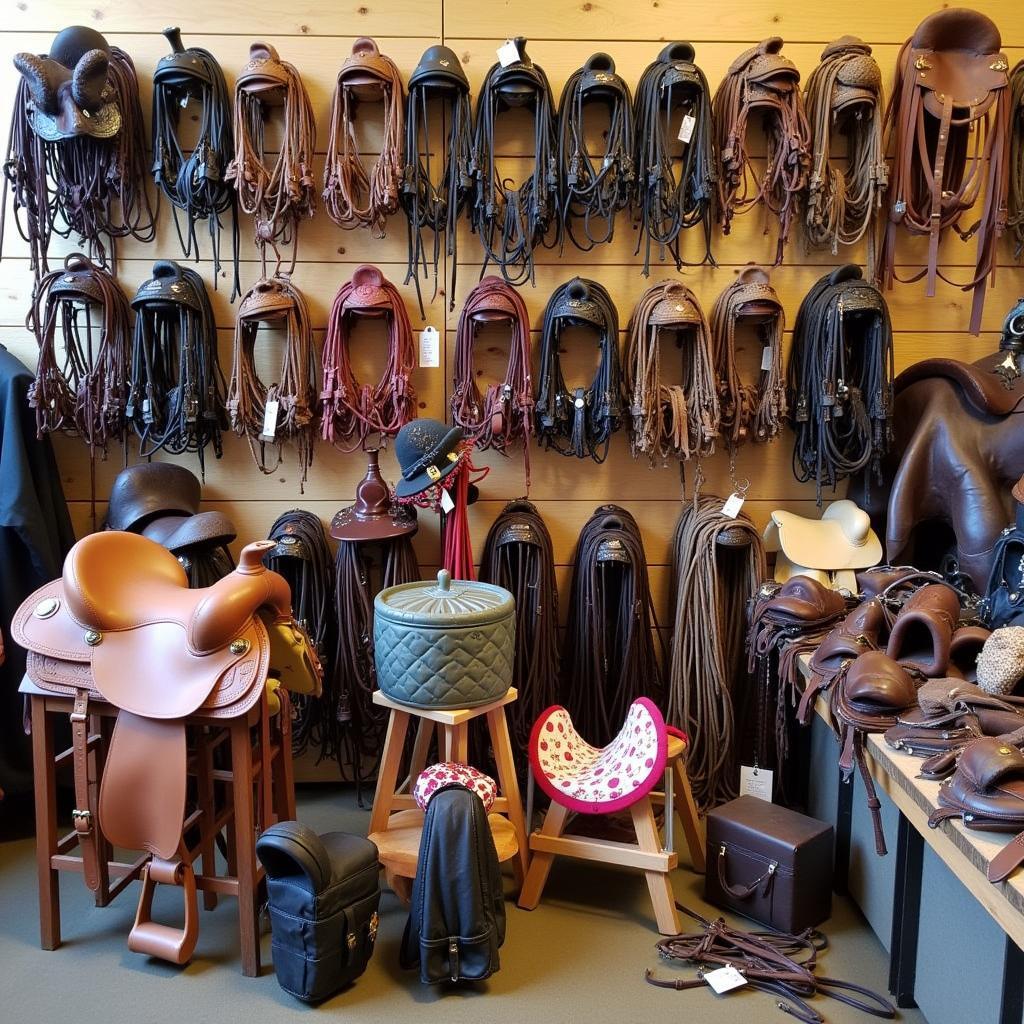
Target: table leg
387 774
659 883
284 773
1011 1006
844 829
420 749
205 798
45 770
245 845
104 727
501 744
540 863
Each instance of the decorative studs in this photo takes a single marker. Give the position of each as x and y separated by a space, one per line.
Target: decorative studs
923 64
93 638
239 646
999 65
46 608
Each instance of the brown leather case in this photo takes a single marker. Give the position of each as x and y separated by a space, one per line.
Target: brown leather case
770 864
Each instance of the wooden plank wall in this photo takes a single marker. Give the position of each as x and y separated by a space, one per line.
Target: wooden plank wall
316 36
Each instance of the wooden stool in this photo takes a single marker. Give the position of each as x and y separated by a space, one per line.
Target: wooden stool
397 835
236 812
677 799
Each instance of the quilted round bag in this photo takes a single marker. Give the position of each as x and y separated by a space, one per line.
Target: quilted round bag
448 773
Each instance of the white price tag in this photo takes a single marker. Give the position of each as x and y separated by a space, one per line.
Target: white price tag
270 420
756 782
732 506
430 347
724 979
447 505
686 128
767 358
508 53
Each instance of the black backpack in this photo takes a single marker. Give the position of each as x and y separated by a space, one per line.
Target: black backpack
457 919
1004 595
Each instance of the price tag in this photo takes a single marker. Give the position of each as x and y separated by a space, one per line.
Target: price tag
447 505
270 420
732 506
430 347
724 979
686 128
508 53
756 782
767 358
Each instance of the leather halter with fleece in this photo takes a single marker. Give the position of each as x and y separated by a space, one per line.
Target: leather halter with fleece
351 413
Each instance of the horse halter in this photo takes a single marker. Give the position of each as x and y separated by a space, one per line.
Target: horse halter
512 222
83 390
581 421
176 395
504 415
674 192
751 412
840 380
285 411
594 188
1016 187
352 413
762 81
194 181
845 92
76 153
352 196
434 200
670 420
280 195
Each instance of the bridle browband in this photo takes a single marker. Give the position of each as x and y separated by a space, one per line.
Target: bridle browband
435 199
281 195
176 397
354 197
594 187
351 413
581 421
513 221
674 192
194 182
670 420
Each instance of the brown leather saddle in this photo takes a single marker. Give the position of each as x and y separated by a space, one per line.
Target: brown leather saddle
122 626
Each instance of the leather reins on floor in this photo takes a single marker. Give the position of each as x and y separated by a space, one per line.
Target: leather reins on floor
351 413
194 181
673 194
762 86
280 195
594 186
579 421
176 400
354 197
717 565
670 420
513 220
283 412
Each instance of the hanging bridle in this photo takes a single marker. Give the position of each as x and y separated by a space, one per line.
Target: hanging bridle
676 420
354 197
352 413
840 380
580 421
594 187
194 180
81 384
283 412
504 415
513 221
750 412
1016 187
279 195
674 191
176 398
434 199
844 94
762 82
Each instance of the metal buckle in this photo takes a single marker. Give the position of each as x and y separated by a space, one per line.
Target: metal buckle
82 820
434 473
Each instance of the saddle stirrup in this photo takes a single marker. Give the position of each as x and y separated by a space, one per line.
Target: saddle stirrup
160 940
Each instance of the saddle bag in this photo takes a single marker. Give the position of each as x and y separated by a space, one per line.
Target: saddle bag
770 864
323 896
1004 594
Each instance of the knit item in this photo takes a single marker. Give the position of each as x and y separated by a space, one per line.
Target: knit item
1001 662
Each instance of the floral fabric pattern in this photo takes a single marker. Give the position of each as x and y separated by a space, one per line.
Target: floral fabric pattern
448 773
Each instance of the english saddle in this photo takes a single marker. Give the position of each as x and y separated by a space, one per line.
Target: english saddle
122 626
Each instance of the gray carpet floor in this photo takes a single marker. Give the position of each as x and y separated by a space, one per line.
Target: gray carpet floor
580 957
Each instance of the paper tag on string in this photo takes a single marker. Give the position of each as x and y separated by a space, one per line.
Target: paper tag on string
767 358
270 420
508 53
430 347
756 782
724 979
732 506
686 128
447 505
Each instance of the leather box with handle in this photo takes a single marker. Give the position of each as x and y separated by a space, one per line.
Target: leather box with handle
770 864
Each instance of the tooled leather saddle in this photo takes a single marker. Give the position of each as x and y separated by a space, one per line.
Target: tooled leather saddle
139 639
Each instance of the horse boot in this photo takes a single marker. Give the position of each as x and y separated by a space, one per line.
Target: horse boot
923 631
964 650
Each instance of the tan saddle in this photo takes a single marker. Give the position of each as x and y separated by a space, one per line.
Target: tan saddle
122 626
